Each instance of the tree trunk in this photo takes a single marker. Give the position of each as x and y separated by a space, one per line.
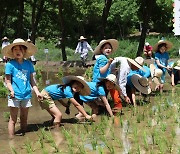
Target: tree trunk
20 19
3 20
36 18
147 9
62 27
106 9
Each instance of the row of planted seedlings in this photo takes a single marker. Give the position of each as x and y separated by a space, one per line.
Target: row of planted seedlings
153 127
148 128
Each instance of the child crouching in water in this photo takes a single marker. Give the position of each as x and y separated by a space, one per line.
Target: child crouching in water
72 85
19 80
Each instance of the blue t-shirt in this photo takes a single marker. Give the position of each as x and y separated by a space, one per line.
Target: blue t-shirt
146 74
95 92
57 92
163 58
100 62
20 78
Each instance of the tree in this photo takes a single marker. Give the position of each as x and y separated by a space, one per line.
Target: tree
62 30
146 10
105 14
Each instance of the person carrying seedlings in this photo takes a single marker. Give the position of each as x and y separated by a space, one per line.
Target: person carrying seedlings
161 58
19 80
175 72
98 96
102 67
71 86
83 48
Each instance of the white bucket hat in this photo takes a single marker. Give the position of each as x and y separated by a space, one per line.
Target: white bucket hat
147 43
85 91
82 38
177 66
156 73
114 43
31 48
141 83
131 61
168 45
112 78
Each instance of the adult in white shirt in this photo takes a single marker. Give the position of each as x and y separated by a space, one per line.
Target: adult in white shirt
126 64
5 42
83 48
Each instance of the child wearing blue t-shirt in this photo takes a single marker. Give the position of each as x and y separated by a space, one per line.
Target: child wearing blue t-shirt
19 80
102 51
161 59
99 92
72 85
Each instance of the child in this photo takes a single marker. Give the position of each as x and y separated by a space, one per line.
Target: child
148 50
19 80
99 92
102 66
72 85
162 57
175 72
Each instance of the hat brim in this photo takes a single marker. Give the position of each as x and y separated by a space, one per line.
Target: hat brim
114 43
31 49
85 91
177 67
135 64
135 81
116 85
154 78
168 45
82 39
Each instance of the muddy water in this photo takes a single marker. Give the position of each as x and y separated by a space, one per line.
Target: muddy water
38 119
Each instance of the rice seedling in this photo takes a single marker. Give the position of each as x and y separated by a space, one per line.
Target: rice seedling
60 73
50 140
14 150
94 143
163 127
28 147
145 141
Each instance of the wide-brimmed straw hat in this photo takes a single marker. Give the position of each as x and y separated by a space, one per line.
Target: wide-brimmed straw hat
146 44
4 38
31 48
112 78
139 60
141 83
132 61
85 91
82 38
177 66
114 43
168 45
156 73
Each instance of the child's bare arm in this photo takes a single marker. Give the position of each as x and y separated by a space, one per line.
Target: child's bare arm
9 85
105 101
80 108
105 67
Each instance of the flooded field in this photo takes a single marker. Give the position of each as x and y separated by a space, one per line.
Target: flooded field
153 127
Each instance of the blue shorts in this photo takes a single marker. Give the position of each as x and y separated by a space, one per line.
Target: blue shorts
14 102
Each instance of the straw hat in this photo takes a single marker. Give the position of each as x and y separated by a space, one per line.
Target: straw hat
131 61
177 67
4 38
156 73
168 45
141 83
114 43
112 78
85 91
139 60
31 48
82 38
